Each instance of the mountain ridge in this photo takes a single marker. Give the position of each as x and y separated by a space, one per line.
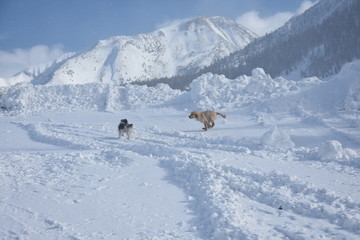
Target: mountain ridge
179 49
316 43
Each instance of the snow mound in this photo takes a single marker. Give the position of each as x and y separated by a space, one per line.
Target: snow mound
217 91
340 92
333 150
209 91
277 139
142 96
27 98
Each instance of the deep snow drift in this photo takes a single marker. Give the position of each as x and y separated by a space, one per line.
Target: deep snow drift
284 164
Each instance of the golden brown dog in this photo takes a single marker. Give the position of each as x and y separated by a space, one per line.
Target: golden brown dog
207 118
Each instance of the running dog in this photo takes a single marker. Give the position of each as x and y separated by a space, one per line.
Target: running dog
207 118
125 128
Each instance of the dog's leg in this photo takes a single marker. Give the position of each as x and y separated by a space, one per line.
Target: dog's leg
206 127
129 132
212 125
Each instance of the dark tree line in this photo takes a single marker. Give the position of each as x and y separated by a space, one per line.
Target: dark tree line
327 47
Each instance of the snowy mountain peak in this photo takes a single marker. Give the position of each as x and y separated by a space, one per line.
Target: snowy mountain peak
204 28
181 48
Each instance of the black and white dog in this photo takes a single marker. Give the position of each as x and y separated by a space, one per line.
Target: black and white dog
125 128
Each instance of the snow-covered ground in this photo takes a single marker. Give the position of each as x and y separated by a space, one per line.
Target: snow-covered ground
284 164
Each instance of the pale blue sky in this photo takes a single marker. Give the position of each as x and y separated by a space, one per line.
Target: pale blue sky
76 25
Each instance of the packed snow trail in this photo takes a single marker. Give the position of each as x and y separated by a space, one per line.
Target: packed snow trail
222 197
86 189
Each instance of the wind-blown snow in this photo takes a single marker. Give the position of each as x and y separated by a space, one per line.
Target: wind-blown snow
284 164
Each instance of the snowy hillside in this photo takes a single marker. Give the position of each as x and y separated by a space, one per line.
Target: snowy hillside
185 47
284 164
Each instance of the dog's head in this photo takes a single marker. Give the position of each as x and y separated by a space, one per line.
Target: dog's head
124 121
121 126
193 115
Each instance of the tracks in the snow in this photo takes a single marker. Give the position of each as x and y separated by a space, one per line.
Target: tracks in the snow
228 202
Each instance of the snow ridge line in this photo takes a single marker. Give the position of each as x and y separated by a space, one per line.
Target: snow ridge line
45 227
277 189
59 135
272 189
39 132
218 207
304 154
181 139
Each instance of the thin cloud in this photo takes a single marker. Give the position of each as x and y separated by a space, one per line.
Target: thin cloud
168 23
20 59
305 5
261 26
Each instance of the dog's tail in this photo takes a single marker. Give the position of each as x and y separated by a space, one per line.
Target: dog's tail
223 115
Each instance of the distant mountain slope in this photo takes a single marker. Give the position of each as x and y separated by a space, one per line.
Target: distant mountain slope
183 48
317 43
31 73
